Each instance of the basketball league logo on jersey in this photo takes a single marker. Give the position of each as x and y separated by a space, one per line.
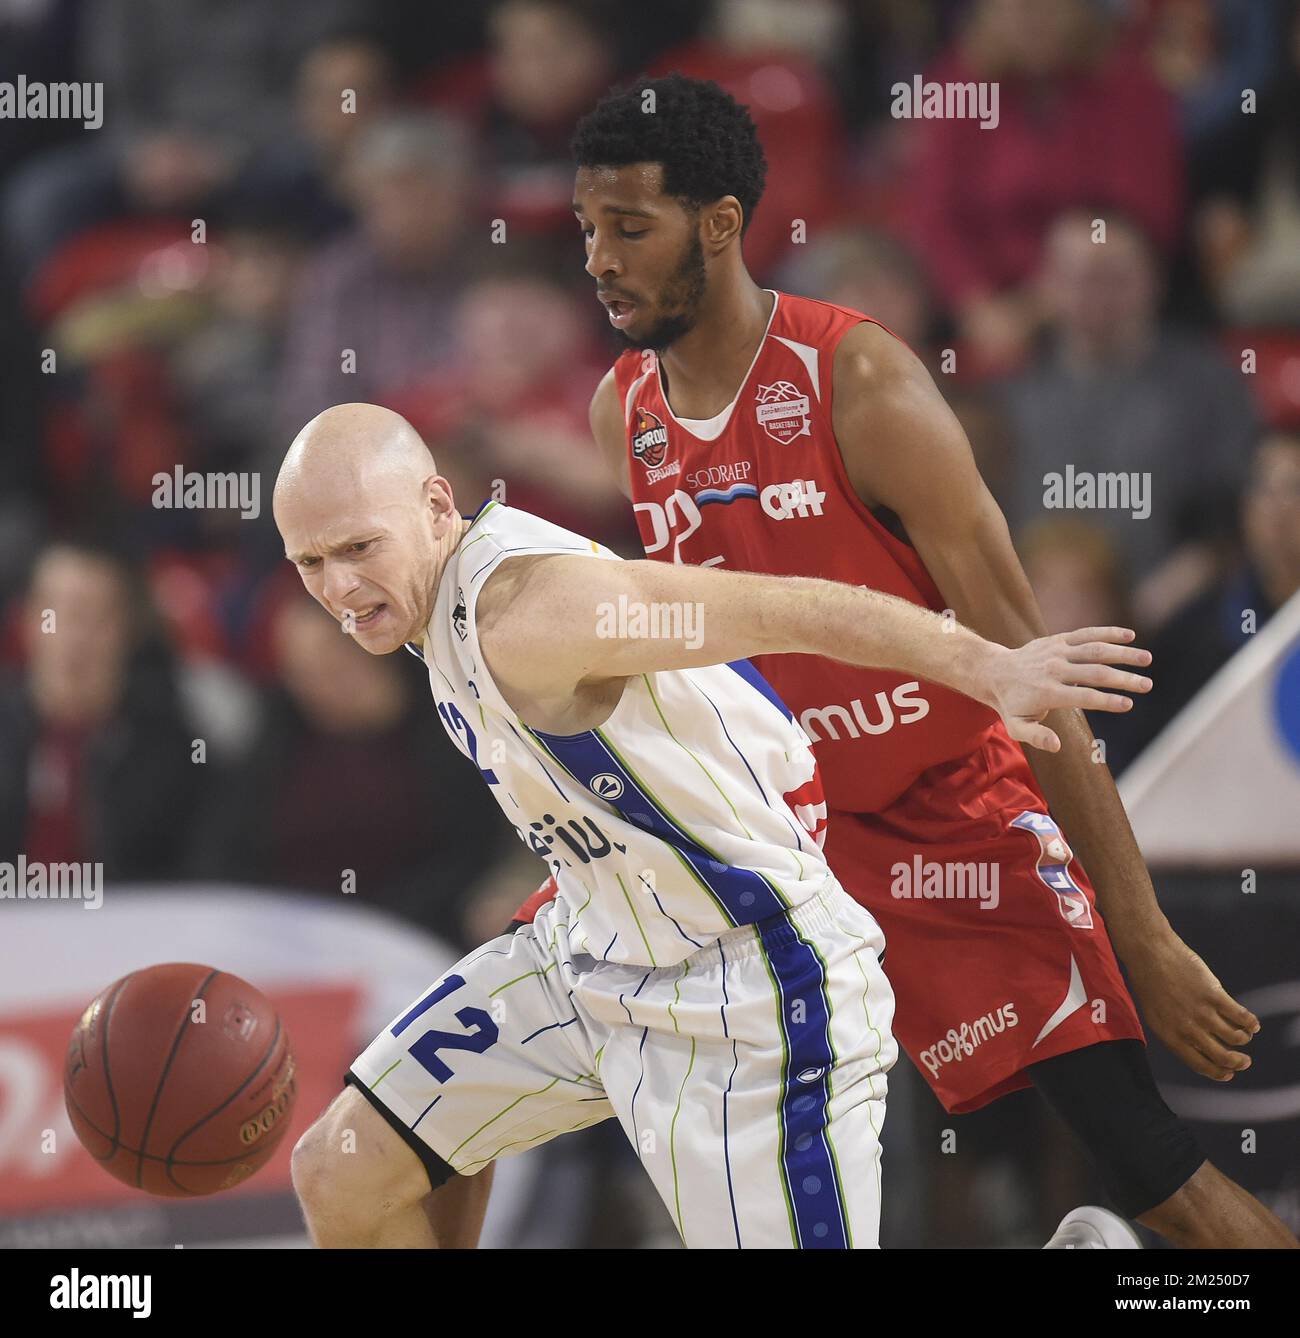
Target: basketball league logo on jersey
650 446
782 412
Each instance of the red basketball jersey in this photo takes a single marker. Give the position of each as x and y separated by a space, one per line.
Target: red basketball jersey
763 487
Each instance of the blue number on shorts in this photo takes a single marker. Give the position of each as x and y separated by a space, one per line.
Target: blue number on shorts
425 1050
456 723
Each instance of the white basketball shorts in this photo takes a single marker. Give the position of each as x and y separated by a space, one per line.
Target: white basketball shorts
750 1078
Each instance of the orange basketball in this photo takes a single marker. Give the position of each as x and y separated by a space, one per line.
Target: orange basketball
179 1079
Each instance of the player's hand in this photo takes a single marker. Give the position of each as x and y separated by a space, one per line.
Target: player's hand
1184 1004
1071 670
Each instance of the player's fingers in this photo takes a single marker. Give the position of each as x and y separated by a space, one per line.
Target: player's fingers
1198 1063
1236 1014
1227 1033
1099 652
1083 634
1090 699
1035 735
1103 676
1232 1060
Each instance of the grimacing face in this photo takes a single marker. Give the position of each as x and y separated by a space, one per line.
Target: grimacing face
374 569
643 250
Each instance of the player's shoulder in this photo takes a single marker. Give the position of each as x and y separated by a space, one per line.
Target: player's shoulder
631 365
859 348
809 320
870 359
520 559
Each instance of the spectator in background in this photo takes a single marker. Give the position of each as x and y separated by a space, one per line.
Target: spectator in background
511 405
349 65
547 61
37 39
379 300
1081 119
350 770
873 272
1247 225
771 56
185 116
226 371
1207 53
1203 635
97 755
1115 392
1077 573
868 271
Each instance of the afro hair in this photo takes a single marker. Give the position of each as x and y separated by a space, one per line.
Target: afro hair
703 138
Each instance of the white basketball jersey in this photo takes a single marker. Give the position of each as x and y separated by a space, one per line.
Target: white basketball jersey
694 808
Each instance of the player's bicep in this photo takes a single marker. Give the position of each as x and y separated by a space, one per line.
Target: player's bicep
579 620
904 448
978 573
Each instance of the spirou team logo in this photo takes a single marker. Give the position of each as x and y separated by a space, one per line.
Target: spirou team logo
650 446
782 411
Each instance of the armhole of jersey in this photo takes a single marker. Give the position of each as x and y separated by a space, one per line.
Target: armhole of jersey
493 694
497 698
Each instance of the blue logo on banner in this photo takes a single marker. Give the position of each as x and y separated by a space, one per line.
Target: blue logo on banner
1286 704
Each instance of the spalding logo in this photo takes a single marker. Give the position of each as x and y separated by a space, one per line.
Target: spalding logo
265 1120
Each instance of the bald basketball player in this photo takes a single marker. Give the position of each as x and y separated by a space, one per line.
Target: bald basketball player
700 973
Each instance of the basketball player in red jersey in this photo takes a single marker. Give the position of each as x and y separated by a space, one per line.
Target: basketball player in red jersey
778 434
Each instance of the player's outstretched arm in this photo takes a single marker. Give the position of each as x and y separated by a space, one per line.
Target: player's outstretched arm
904 449
569 622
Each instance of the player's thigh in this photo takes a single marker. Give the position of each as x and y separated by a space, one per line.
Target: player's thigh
490 1060
752 1082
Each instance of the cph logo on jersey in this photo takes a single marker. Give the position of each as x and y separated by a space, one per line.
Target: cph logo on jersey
784 501
782 411
650 446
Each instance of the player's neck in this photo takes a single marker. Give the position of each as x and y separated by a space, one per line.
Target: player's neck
703 369
460 524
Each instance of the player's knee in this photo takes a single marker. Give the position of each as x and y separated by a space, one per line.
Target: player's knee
351 1165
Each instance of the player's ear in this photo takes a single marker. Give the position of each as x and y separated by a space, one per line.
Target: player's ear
438 497
723 222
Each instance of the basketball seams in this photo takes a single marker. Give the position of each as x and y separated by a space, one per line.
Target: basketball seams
108 1077
171 1159
153 1156
162 1078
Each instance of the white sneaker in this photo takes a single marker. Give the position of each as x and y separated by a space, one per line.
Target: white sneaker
1091 1228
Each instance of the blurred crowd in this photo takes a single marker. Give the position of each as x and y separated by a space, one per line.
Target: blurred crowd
293 203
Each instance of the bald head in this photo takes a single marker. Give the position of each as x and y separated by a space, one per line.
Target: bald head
355 447
367 520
